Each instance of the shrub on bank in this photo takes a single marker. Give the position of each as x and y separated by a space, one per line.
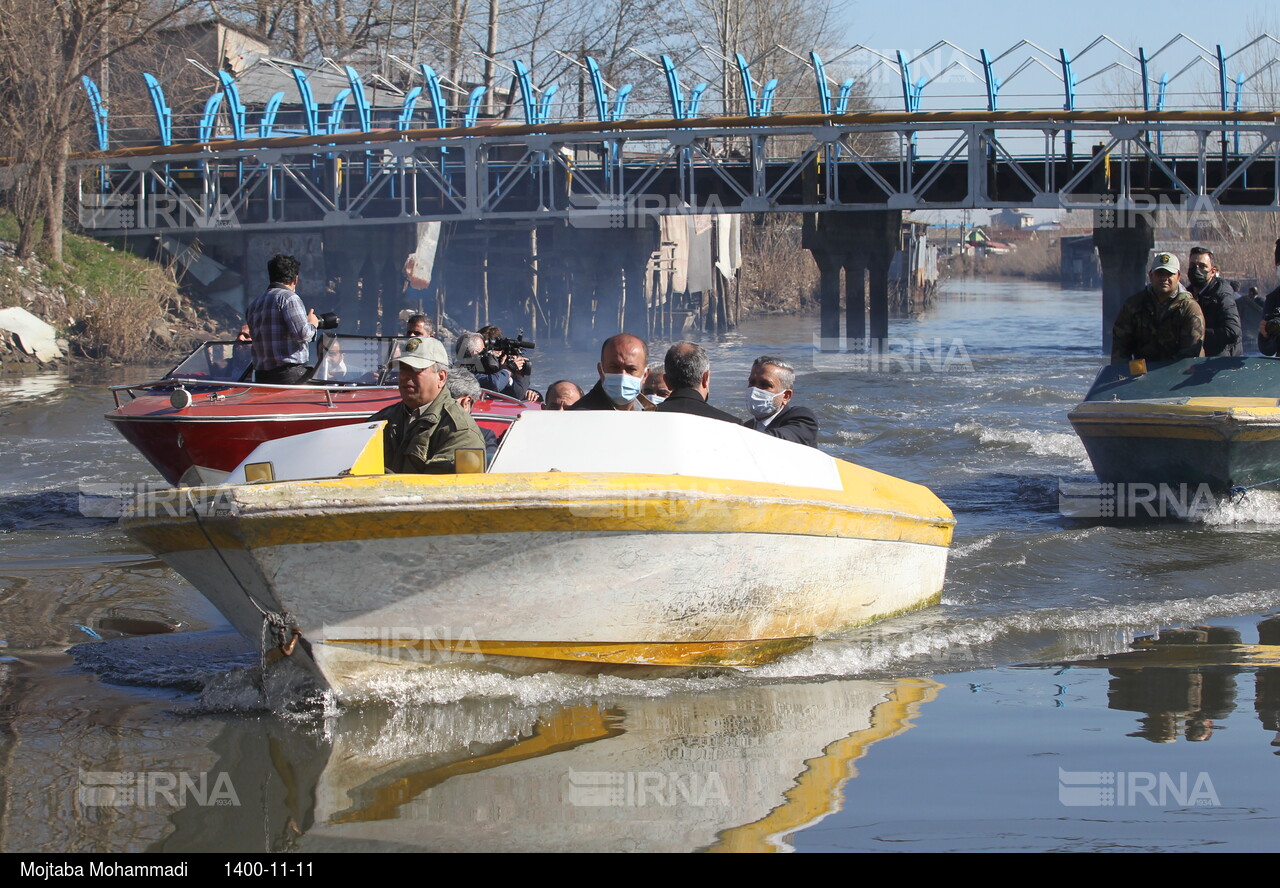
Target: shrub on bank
110 304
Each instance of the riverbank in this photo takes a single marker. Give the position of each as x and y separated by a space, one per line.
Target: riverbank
105 304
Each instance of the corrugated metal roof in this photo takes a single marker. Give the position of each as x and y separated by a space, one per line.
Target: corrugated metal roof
267 76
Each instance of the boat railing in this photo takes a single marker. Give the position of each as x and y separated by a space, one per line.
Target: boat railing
173 382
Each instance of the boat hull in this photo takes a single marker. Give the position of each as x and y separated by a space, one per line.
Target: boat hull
202 443
399 572
1212 422
1221 445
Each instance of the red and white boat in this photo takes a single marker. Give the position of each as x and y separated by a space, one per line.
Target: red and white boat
201 419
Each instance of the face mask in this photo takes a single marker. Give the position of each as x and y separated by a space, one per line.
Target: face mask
655 400
622 388
760 403
1198 276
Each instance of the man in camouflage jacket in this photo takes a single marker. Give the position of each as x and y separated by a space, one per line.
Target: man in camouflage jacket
1163 322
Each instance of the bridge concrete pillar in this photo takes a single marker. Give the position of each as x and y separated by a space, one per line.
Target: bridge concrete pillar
1122 253
857 243
855 300
829 266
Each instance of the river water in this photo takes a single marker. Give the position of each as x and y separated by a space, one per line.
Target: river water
953 728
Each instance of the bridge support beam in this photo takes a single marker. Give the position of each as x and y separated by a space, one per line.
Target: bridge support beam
604 290
1122 253
861 244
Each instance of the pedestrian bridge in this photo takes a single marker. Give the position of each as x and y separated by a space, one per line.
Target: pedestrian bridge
1210 148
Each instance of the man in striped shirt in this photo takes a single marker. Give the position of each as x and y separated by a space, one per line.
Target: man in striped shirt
281 327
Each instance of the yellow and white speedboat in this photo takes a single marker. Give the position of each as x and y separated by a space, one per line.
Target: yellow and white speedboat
594 538
1211 421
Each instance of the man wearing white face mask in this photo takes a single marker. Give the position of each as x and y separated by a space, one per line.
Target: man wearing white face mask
623 368
769 394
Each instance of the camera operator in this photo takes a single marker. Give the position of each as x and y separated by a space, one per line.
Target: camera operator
499 369
281 326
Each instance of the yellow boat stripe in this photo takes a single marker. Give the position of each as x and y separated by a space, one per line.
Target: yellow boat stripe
568 728
403 506
817 789
752 652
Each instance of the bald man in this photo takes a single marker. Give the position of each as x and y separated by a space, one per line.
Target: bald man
623 368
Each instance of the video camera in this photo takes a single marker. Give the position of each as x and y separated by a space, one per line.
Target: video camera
510 348
328 321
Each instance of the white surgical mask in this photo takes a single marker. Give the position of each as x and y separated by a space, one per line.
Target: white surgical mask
760 402
655 400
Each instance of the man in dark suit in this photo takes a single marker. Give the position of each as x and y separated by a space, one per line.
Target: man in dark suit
688 373
769 400
623 368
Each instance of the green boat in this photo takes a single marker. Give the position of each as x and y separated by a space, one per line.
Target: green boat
1212 421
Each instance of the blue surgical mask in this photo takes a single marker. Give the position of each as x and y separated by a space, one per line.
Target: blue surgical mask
655 400
760 402
622 388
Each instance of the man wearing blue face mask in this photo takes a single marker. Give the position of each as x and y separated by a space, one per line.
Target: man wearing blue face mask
623 368
769 393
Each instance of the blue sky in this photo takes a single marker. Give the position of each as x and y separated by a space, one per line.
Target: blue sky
1072 25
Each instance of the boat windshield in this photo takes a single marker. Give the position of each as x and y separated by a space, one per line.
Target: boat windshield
353 360
217 362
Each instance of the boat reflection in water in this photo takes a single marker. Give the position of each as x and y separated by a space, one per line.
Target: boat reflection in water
1184 681
735 771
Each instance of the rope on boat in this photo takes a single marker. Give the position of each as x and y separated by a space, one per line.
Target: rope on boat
1242 491
283 628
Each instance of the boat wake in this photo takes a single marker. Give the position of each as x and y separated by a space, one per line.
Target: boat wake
225 674
1053 444
1257 507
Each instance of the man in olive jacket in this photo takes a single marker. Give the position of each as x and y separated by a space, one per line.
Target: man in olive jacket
1163 322
427 426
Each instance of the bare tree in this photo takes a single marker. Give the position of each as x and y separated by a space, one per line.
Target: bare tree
44 51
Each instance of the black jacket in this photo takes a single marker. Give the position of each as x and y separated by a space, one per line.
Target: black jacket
1221 320
1270 345
792 424
690 400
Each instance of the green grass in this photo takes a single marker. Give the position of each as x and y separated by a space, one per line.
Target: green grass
111 295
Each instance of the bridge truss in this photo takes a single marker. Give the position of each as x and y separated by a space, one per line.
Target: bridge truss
618 174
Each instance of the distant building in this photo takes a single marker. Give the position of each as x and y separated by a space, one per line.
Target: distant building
982 245
1012 220
215 43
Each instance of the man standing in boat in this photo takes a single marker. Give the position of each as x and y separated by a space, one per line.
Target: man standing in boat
1162 322
427 427
623 368
1217 301
280 326
770 388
